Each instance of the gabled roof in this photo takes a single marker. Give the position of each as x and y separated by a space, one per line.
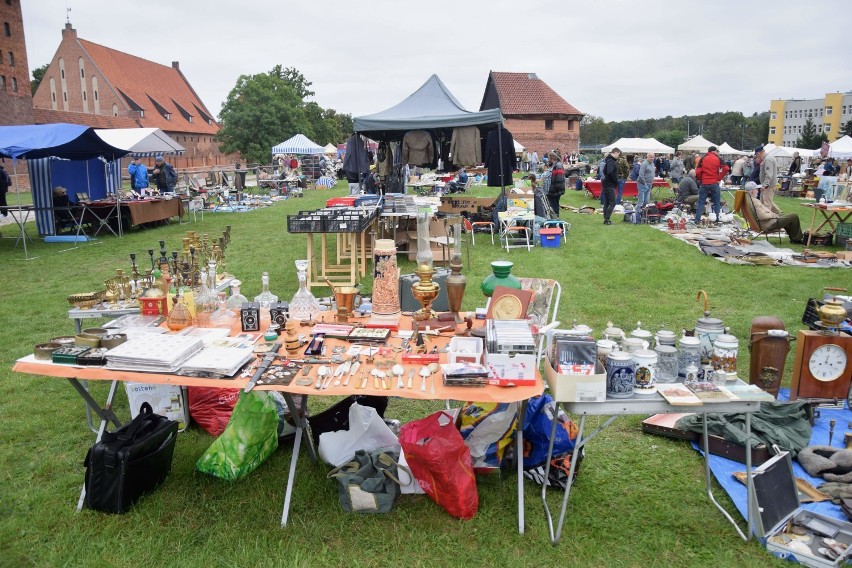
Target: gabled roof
155 88
48 116
526 94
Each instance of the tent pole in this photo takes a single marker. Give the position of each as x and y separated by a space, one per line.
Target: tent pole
118 199
20 207
500 150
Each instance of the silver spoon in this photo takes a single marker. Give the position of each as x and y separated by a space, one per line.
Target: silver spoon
399 370
424 372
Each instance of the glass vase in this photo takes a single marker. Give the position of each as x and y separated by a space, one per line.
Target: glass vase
265 298
179 316
236 300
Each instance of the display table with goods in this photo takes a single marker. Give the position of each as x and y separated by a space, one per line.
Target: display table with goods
833 215
132 213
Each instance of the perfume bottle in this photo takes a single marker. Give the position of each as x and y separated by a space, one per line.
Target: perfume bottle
265 298
236 301
304 306
206 301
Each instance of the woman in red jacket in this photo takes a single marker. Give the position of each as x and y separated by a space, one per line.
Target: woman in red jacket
709 172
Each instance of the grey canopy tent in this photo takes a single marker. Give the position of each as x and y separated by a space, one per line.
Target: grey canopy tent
431 107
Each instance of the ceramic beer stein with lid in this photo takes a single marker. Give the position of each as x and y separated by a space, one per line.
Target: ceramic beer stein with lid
620 375
665 337
725 351
613 333
646 370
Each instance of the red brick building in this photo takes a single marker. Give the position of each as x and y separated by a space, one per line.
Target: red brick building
16 102
535 114
87 83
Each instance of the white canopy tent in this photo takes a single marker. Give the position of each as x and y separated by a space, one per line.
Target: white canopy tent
696 144
639 146
727 150
330 149
298 144
518 147
840 148
142 142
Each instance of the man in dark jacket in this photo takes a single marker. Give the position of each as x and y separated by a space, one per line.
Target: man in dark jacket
164 175
709 173
609 183
687 189
5 184
557 183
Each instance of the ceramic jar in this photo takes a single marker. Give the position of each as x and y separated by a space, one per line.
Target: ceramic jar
667 363
646 370
385 278
605 347
633 344
690 374
689 354
620 375
725 350
502 276
613 333
707 329
642 334
665 337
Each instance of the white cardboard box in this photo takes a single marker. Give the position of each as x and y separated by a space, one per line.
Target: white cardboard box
511 369
576 388
166 400
465 350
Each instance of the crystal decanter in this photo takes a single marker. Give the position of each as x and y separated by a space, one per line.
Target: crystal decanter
236 301
265 298
304 306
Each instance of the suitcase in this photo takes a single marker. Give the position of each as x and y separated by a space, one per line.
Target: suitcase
129 462
407 301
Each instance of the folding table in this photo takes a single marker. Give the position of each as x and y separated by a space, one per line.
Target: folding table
645 405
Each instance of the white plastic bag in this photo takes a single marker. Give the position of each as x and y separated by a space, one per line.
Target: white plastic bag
367 431
408 484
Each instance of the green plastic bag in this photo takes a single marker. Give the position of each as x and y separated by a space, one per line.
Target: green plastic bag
250 437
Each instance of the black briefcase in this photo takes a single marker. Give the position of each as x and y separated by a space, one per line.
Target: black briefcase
129 462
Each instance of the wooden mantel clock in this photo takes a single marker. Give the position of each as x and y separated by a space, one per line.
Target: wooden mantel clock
822 367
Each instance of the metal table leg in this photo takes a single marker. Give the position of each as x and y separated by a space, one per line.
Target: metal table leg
106 414
302 429
708 479
519 457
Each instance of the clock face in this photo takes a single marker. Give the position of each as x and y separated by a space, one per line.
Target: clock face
827 362
507 307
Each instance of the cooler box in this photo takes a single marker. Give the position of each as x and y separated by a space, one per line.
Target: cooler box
551 238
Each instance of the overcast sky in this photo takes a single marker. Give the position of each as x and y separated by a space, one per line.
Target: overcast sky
616 59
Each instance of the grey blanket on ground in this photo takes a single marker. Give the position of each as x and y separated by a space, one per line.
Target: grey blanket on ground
782 424
828 462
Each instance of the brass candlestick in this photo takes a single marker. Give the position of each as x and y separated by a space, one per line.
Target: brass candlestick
456 281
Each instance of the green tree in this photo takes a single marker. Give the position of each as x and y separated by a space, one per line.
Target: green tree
809 137
38 75
594 130
260 111
846 129
295 79
670 137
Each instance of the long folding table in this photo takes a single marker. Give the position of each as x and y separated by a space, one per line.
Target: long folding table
74 374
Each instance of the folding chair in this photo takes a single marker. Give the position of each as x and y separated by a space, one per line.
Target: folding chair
470 227
516 236
744 206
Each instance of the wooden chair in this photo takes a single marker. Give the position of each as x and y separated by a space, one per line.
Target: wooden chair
744 206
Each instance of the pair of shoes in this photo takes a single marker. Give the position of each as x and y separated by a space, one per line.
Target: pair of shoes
607 222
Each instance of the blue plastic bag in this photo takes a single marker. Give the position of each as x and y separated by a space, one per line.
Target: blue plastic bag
537 424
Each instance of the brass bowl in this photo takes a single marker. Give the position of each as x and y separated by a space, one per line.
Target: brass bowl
86 300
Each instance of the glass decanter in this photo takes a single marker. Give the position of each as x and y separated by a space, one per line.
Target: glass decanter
236 301
222 316
304 306
179 316
207 300
265 298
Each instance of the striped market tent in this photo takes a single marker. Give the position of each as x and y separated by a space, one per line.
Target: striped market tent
142 142
298 144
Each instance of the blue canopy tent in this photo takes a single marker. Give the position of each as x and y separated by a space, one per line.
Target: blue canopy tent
66 143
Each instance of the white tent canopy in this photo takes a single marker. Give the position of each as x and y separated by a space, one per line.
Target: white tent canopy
142 142
330 149
518 147
727 150
298 144
840 148
696 144
639 145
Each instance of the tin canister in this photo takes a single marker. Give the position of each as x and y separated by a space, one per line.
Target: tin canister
620 375
646 370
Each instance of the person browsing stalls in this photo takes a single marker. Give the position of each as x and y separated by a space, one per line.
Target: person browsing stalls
772 221
164 175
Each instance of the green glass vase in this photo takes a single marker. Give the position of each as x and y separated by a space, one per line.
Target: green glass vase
502 276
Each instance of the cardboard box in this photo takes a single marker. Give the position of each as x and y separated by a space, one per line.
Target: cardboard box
511 369
165 400
576 388
465 350
458 204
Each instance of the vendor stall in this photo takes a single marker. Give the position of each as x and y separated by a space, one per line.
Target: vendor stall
639 146
696 144
631 189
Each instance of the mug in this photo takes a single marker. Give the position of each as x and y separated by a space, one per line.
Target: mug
646 370
620 375
633 344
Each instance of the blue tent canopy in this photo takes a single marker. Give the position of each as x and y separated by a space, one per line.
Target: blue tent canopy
69 141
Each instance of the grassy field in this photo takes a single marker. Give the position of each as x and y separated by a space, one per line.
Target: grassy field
639 500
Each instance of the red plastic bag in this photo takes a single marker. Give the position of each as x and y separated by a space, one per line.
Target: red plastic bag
211 408
440 461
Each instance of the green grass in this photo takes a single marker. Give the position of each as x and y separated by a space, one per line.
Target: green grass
639 500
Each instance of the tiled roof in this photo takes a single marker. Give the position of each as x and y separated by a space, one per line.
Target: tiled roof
48 116
525 94
151 85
